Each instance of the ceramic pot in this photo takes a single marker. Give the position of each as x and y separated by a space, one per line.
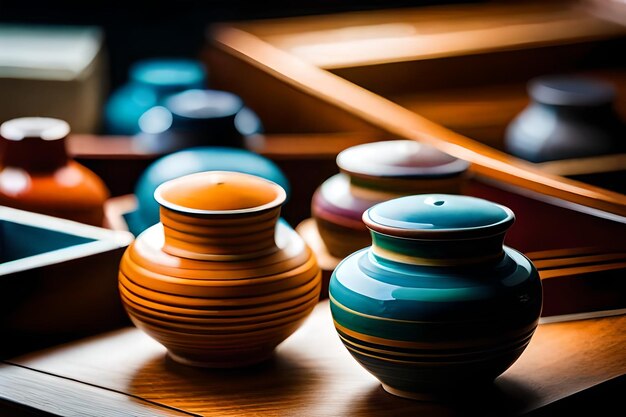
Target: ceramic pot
36 173
376 172
197 118
191 161
436 306
150 83
568 117
221 281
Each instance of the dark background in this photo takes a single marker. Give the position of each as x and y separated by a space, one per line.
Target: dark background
141 29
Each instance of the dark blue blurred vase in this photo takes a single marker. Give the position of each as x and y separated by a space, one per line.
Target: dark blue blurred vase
197 118
568 117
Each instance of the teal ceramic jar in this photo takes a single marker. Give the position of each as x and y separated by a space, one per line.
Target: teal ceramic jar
151 81
437 305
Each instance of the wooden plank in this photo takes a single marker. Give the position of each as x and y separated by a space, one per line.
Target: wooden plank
359 39
24 388
568 262
312 374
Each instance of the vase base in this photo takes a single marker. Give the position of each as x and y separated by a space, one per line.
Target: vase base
416 395
220 363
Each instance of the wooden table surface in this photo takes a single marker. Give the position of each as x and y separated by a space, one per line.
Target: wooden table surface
126 373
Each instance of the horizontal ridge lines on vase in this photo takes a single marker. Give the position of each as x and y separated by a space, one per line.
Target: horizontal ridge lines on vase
225 310
218 291
211 252
198 236
133 270
437 298
338 305
433 349
412 342
204 301
146 251
417 294
461 360
220 328
220 251
222 317
247 221
219 315
226 339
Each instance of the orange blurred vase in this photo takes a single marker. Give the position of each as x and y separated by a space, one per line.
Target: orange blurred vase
36 173
221 281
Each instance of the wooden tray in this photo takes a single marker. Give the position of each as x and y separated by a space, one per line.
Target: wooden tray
575 367
59 280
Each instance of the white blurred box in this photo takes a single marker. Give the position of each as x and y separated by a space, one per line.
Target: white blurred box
54 71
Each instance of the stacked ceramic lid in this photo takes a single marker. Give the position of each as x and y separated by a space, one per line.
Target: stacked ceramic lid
376 172
221 281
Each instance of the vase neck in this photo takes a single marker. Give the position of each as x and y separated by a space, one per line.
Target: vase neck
34 154
220 237
374 188
435 252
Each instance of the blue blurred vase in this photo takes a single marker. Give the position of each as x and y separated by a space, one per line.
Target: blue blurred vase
150 83
437 307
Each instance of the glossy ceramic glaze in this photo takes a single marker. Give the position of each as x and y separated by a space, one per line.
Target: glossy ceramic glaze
150 83
437 306
221 281
568 117
191 161
376 172
197 118
36 173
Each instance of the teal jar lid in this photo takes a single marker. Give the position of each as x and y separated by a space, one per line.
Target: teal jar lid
438 216
175 74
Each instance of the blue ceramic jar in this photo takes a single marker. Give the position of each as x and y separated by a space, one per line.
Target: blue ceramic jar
568 117
150 82
190 161
437 305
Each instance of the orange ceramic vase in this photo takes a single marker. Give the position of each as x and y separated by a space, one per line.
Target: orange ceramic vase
36 173
221 281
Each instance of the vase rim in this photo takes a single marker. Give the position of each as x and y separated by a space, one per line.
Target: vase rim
201 104
169 72
44 128
279 198
571 90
